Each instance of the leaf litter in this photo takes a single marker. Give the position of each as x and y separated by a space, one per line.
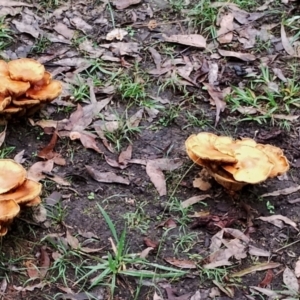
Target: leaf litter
229 244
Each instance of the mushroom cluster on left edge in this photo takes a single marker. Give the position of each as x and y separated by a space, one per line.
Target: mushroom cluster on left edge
25 86
16 191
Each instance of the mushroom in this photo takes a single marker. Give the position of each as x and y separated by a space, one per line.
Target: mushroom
46 92
8 210
25 193
235 163
26 69
12 175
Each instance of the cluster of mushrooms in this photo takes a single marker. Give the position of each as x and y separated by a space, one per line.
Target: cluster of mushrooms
25 86
236 163
16 191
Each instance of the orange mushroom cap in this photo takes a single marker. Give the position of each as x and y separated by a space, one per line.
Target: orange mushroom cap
8 210
12 175
25 102
277 158
47 93
26 192
44 81
4 102
3 68
11 110
202 146
13 87
26 69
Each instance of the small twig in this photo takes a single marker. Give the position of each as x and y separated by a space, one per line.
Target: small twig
286 246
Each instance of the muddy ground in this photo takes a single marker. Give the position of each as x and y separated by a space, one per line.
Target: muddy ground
150 220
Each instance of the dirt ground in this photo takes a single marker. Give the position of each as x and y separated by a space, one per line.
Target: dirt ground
164 89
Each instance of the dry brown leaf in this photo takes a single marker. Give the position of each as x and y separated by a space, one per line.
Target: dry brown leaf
156 57
268 279
184 264
106 177
121 4
169 223
19 157
286 43
218 98
14 3
135 119
87 139
30 288
72 240
227 290
286 191
278 221
154 170
258 252
41 270
194 40
290 280
38 170
202 182
193 200
239 55
259 267
145 252
225 34
125 156
64 30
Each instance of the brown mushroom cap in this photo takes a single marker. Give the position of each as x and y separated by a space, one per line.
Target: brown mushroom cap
202 146
47 93
12 175
44 81
277 158
225 179
8 210
253 165
13 87
23 193
26 69
25 102
3 230
11 110
34 202
3 68
4 102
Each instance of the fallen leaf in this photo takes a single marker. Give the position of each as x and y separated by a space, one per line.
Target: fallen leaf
156 57
194 40
286 43
286 191
106 177
145 252
64 30
229 291
156 297
14 3
154 170
192 200
39 214
267 292
258 252
38 170
30 288
218 98
88 140
268 279
202 182
150 243
239 55
80 24
72 240
19 157
278 220
125 156
225 34
121 4
279 74
290 280
184 264
169 223
259 267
